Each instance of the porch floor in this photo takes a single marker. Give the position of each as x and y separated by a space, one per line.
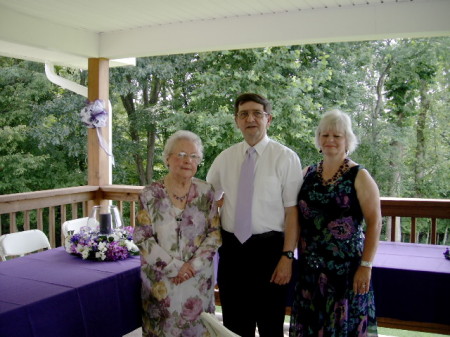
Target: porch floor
138 332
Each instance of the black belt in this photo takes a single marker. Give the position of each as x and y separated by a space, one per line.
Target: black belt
262 236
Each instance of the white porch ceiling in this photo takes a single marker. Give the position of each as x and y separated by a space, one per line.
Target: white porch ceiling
68 32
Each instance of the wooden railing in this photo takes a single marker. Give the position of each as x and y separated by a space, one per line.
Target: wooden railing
47 210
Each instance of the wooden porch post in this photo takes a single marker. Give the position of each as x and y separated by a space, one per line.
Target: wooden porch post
99 163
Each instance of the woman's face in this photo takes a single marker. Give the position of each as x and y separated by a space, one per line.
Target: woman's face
332 142
184 159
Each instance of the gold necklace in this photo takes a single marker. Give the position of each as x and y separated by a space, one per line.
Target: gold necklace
341 170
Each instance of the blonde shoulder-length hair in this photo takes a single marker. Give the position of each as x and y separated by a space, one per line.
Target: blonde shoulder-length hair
336 120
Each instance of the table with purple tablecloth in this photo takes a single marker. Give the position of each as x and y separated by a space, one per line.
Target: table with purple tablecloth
412 283
53 293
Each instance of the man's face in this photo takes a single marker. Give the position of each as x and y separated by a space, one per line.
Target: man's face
253 121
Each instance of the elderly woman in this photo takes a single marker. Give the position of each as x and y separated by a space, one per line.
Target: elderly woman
178 234
334 295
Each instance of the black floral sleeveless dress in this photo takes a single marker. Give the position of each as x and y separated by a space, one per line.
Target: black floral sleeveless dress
330 250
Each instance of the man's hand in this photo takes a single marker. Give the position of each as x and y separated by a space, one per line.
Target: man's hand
283 272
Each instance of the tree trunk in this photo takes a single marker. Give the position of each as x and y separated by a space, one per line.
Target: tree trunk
153 97
128 103
420 145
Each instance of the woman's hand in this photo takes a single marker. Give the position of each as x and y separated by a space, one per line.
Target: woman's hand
185 273
361 280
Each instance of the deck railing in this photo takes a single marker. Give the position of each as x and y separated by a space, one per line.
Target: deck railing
48 210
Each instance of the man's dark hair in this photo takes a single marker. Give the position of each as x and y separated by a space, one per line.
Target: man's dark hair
251 97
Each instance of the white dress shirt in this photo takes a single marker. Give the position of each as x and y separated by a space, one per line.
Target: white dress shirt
278 178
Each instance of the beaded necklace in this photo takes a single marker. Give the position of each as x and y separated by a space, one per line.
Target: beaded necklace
180 198
341 170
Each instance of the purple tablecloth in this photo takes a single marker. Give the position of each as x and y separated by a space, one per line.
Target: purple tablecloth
53 293
412 282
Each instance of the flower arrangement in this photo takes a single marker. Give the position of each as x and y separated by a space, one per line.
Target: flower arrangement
90 244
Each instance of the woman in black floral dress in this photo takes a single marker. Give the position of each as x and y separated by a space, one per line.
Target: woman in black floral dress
334 295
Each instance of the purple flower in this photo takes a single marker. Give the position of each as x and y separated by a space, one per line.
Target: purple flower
191 216
342 228
304 209
193 193
160 197
116 252
340 310
193 331
343 200
192 309
362 327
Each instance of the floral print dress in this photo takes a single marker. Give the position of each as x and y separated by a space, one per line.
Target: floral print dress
167 238
330 247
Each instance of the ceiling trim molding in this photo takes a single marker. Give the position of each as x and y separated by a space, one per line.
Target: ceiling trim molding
23 36
353 23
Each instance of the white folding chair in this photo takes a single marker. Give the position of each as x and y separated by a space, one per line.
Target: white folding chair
74 225
21 243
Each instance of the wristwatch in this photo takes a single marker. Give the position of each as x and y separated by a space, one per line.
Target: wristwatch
289 254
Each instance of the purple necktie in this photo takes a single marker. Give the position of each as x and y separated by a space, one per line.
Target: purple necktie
243 222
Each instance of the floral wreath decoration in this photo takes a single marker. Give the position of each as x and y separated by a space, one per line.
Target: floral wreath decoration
90 244
94 115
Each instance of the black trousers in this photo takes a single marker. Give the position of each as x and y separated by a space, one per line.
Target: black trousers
248 297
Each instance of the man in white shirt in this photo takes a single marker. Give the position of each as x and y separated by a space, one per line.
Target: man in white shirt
253 275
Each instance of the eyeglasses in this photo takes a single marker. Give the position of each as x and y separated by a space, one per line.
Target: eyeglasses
256 114
183 155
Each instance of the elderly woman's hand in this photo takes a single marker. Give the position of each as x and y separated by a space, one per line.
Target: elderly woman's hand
185 273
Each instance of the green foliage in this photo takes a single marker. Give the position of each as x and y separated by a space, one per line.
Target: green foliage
36 141
379 83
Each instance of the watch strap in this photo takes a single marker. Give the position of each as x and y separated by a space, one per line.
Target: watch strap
288 253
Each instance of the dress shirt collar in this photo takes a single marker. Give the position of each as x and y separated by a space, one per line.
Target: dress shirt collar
259 147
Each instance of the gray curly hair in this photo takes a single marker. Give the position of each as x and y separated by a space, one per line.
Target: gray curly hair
174 138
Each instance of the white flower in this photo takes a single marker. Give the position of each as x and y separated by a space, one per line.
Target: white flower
115 237
100 255
131 246
85 254
102 246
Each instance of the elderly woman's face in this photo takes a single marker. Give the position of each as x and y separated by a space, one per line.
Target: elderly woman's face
184 158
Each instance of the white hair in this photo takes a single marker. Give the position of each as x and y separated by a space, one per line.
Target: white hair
337 120
174 138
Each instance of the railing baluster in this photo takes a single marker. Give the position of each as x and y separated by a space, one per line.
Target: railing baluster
26 220
63 219
12 222
74 209
433 231
120 206
412 238
133 213
40 221
393 227
51 226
